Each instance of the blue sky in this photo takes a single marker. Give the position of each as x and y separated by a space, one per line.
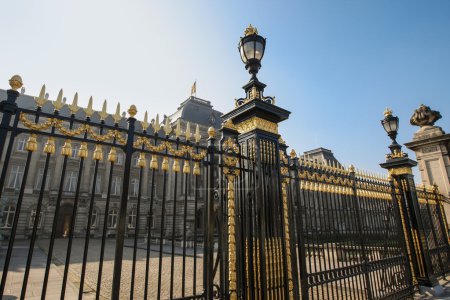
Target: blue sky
334 64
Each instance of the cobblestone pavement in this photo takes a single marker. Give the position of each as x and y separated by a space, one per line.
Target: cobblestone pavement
59 255
445 295
34 286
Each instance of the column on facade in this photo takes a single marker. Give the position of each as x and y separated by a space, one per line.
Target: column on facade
33 171
86 178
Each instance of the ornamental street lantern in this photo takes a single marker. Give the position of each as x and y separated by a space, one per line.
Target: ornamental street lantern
390 125
251 47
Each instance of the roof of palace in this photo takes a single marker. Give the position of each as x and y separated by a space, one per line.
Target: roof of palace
196 110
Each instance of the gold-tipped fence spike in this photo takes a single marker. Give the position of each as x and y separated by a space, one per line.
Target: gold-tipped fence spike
167 127
141 160
74 106
196 170
145 122
154 162
50 147
178 129
103 114
155 124
32 143
88 110
66 149
188 131
186 167
165 164
197 135
98 152
83 151
117 117
112 155
40 100
132 111
176 165
58 104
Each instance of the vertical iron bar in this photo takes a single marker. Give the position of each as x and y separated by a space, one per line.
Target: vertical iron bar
163 208
105 227
174 219
208 259
121 226
8 107
136 233
183 278
18 205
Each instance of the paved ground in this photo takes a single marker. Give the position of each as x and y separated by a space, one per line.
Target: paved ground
428 295
34 287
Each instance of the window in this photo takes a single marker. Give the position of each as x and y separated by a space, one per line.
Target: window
71 181
119 158
8 216
21 143
132 219
112 218
115 185
94 219
40 177
75 149
32 217
136 160
134 187
15 177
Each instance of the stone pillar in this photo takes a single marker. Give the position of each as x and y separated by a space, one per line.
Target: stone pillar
431 146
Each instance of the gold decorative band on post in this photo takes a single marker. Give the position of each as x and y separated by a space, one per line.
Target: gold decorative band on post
257 123
400 171
287 237
231 172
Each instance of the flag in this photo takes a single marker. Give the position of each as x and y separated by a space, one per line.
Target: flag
194 88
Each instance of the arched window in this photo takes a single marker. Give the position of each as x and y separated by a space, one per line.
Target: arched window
32 217
8 216
21 143
112 218
132 219
94 219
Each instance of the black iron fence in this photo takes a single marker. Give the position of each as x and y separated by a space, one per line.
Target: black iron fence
123 209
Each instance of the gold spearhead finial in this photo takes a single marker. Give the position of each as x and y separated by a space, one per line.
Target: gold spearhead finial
155 124
103 114
250 30
144 123
58 104
40 101
387 112
178 129
188 131
293 154
167 127
15 82
74 106
88 110
197 135
132 111
117 117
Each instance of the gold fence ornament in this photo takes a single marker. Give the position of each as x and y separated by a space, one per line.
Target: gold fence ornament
32 143
15 82
155 124
117 117
74 106
186 167
66 149
50 147
165 164
197 135
88 110
103 114
83 151
178 129
196 170
141 160
154 162
188 131
145 123
40 100
112 155
167 127
176 165
98 152
58 104
211 132
132 111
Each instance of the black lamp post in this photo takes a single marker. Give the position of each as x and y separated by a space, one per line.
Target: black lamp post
251 47
390 125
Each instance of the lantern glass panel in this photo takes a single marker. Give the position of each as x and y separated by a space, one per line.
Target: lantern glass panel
249 50
241 49
259 51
